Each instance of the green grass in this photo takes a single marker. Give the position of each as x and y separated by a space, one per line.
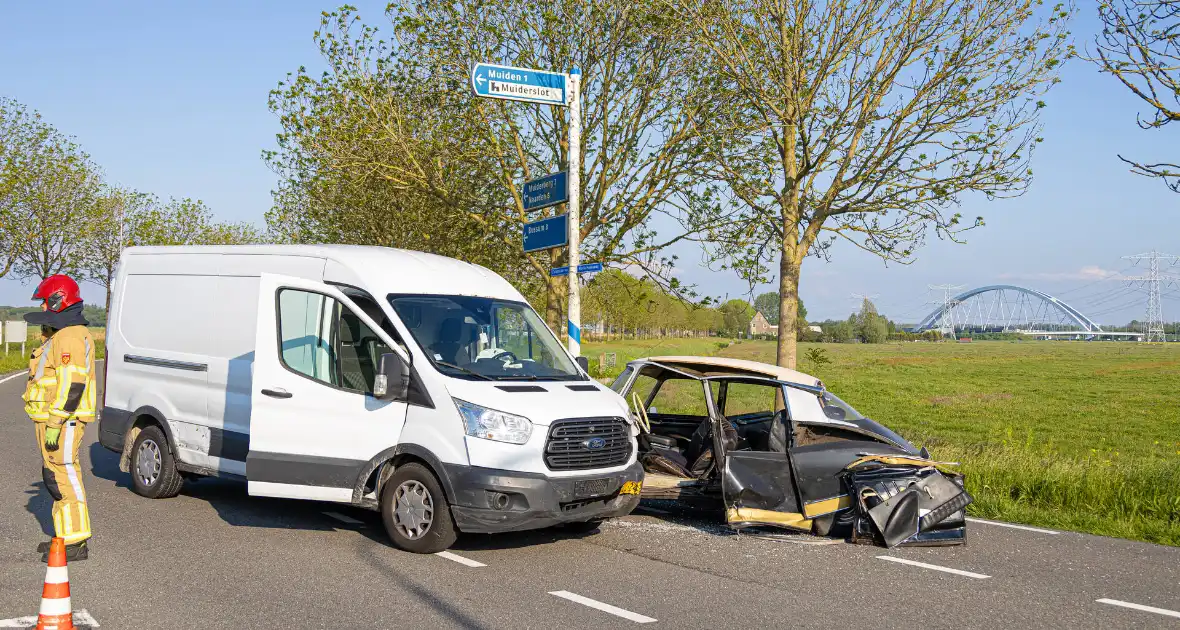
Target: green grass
13 360
1081 436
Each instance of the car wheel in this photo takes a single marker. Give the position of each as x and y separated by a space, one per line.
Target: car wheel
415 511
153 468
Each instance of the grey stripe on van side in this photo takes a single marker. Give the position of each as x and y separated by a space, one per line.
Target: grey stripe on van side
166 363
228 444
303 470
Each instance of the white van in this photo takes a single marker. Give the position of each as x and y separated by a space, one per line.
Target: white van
417 385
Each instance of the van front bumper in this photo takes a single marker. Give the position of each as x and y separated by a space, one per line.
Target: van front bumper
533 501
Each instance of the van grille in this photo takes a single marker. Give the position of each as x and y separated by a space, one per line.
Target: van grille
569 442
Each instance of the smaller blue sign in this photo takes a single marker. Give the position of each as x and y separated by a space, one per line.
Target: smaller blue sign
549 190
590 268
546 233
559 271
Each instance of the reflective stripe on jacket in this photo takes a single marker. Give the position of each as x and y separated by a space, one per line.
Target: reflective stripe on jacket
61 378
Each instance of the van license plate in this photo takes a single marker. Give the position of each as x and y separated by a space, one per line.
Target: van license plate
593 487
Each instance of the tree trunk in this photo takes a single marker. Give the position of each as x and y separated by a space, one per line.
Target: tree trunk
788 290
552 298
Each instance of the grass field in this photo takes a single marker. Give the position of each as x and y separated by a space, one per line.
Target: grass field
1082 436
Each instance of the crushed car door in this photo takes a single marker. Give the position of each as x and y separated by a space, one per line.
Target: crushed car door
821 449
758 487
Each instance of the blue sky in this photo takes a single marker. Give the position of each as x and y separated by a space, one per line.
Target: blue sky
170 98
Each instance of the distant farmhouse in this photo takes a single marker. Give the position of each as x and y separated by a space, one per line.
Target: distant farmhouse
759 326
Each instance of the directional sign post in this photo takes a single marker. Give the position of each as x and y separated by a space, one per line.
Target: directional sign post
519 84
547 88
549 190
546 233
587 268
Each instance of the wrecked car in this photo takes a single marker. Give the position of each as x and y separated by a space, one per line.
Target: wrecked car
777 449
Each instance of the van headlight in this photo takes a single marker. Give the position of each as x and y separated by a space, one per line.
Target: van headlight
490 424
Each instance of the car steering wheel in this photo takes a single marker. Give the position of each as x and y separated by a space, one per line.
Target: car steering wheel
512 357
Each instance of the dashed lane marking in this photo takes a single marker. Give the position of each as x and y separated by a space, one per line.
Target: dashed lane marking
1013 526
348 520
82 619
935 567
606 608
1150 609
460 559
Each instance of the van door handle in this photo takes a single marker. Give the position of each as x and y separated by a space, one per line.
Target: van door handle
278 392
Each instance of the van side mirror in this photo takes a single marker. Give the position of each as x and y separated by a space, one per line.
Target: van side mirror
583 363
393 378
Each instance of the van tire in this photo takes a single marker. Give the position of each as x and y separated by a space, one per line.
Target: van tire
166 482
419 485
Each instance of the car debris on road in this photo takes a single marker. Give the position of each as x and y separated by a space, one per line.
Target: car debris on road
777 449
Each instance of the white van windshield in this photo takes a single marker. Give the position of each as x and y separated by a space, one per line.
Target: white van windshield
483 338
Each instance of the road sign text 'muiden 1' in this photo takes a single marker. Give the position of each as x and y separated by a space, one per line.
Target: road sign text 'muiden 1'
546 233
518 84
546 191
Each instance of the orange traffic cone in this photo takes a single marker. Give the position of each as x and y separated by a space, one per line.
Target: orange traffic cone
56 613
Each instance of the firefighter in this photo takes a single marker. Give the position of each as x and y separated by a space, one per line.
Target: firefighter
60 398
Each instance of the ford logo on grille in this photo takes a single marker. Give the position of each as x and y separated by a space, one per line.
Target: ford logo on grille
594 443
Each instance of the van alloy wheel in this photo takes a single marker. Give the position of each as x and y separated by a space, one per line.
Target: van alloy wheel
414 512
148 463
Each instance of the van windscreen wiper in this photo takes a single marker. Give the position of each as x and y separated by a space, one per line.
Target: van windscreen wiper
463 369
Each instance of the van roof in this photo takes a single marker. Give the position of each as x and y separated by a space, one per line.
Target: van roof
394 270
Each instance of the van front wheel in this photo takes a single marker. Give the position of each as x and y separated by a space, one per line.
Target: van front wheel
415 511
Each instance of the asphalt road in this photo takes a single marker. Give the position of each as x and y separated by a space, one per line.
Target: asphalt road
216 558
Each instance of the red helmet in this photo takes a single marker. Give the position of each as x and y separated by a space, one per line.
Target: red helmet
60 292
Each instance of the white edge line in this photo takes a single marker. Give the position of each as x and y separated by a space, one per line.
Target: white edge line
1150 609
453 557
606 608
344 519
80 617
1013 526
935 567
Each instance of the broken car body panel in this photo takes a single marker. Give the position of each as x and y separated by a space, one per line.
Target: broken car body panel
793 455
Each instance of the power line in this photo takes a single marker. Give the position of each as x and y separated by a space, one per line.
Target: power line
946 324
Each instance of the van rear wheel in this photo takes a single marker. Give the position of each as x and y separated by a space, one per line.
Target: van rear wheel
153 469
415 511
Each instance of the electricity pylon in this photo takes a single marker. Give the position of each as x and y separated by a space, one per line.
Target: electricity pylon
946 323
1154 326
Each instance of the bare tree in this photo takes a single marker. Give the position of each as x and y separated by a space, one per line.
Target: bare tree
865 121
1140 46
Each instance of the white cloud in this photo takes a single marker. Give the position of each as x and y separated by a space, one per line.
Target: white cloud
1088 272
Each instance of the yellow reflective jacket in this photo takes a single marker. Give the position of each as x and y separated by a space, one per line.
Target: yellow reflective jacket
61 378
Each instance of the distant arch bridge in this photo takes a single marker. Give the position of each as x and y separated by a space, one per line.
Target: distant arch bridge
1009 308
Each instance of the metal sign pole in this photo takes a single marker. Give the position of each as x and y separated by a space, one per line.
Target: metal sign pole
575 223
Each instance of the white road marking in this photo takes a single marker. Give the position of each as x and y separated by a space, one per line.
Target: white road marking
1024 527
935 567
460 559
81 618
344 519
606 608
1150 609
9 378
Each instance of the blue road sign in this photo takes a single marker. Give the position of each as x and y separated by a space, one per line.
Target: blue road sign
518 84
587 268
546 191
546 233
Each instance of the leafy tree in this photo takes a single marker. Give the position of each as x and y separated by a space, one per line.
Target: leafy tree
439 169
871 327
1140 46
862 121
841 332
768 305
47 191
735 317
